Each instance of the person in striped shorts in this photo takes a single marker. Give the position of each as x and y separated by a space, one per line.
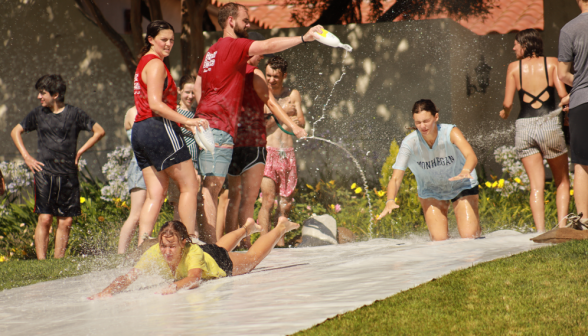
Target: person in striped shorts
539 134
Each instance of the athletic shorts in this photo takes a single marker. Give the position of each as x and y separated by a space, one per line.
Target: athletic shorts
217 164
135 177
158 142
475 190
579 134
280 166
542 135
57 195
221 256
245 158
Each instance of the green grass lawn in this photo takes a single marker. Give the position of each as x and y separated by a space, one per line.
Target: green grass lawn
16 273
541 292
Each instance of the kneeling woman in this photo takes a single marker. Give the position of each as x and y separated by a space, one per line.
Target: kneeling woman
176 258
443 163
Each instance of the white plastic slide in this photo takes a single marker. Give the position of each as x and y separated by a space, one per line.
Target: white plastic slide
292 289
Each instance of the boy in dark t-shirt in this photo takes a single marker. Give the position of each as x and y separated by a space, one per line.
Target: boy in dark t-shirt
57 191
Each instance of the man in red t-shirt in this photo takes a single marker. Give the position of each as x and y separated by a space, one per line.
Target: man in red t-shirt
219 92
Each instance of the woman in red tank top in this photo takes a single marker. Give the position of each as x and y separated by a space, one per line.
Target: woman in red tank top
156 139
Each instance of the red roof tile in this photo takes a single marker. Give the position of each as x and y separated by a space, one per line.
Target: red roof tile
508 16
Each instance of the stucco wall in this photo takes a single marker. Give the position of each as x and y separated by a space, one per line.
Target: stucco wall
392 66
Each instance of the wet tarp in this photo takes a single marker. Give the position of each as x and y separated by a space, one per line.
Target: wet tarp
293 289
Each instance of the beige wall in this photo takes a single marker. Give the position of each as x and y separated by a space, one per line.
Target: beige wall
392 66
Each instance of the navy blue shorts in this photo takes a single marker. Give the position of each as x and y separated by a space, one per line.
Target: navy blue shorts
158 142
57 195
246 157
475 190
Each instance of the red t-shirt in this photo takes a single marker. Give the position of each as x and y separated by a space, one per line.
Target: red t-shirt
223 78
251 126
169 97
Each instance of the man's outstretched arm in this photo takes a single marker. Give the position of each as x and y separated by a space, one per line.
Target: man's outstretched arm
277 44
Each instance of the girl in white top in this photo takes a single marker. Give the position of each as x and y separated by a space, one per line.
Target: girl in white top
443 163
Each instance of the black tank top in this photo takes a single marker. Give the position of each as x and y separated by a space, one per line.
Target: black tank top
528 111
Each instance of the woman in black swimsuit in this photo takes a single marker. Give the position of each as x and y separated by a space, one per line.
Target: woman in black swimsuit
539 134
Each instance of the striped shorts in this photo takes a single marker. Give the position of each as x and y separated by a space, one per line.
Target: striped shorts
539 135
158 142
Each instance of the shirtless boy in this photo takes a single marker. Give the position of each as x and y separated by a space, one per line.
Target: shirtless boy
280 175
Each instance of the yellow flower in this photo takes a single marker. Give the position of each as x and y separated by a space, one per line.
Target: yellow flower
333 206
2 258
309 187
495 184
358 190
353 186
124 204
117 200
395 199
332 182
82 200
517 180
488 184
546 201
381 193
501 183
572 192
165 200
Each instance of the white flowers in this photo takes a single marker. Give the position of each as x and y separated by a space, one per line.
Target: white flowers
115 171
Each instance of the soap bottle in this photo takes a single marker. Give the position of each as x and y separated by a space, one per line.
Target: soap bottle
331 40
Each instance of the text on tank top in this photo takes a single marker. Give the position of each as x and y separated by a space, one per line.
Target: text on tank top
434 166
169 96
251 124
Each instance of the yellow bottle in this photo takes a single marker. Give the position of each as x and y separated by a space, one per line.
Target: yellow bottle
331 40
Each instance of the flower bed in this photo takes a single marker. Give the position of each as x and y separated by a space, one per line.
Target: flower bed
504 203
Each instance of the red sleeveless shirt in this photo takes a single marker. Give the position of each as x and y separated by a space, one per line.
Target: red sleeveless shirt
169 97
251 125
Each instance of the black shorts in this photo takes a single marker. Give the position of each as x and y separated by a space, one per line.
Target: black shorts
245 158
578 135
158 142
221 256
57 195
468 192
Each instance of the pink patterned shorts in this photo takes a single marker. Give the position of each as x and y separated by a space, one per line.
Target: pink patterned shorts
280 166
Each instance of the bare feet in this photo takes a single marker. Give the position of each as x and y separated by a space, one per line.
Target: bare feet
251 227
289 226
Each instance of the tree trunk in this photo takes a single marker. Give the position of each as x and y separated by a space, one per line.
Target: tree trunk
334 12
194 39
396 10
136 27
114 37
185 41
155 9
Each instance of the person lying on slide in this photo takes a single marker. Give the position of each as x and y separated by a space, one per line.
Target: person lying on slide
443 163
176 258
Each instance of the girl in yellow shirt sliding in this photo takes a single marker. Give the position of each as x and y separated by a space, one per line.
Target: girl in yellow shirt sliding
176 258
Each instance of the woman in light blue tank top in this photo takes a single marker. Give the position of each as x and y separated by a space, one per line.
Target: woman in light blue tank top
443 163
